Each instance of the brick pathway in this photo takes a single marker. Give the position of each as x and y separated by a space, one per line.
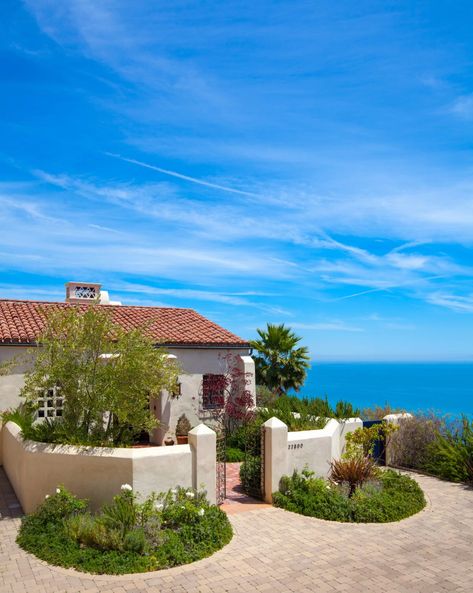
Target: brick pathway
277 551
237 501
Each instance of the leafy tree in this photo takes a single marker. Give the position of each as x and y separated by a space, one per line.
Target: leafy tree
280 363
104 375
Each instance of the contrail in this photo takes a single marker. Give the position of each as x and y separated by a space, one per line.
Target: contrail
388 288
184 177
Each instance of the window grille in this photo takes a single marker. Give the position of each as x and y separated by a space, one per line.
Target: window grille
213 391
50 404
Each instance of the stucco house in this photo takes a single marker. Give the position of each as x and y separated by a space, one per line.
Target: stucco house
200 346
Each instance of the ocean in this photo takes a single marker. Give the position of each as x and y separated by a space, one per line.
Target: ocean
446 388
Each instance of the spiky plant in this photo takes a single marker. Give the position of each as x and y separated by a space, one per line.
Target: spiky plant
354 472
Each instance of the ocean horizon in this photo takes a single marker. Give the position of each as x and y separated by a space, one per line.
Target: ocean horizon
442 387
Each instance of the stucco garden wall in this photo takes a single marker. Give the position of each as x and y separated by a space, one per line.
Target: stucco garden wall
96 473
286 451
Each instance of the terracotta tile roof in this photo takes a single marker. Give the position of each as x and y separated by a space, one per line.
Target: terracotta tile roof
21 322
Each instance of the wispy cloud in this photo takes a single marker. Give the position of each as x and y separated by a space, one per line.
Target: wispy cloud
462 107
461 304
402 267
337 326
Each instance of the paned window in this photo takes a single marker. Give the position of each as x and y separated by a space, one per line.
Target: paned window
213 391
50 404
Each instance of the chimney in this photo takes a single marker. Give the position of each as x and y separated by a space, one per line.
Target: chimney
82 292
88 292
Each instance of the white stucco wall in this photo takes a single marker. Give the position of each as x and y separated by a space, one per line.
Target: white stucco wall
96 473
11 384
312 449
196 363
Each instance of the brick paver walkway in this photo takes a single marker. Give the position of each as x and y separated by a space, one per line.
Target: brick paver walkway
236 500
277 551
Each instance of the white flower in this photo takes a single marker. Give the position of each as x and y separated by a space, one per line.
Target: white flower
190 495
159 506
126 487
58 491
46 497
201 512
327 486
174 491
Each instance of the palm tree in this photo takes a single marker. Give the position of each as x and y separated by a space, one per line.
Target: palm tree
280 364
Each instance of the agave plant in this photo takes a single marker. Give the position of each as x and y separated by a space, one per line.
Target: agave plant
354 471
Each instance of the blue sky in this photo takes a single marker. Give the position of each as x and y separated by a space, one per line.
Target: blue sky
300 162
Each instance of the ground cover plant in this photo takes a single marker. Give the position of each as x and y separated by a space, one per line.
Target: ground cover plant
387 497
125 536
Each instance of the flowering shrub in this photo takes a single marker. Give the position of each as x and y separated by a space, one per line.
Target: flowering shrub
390 497
126 536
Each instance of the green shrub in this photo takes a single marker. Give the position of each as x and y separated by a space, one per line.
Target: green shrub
390 497
410 445
379 412
313 497
436 445
23 416
234 455
345 410
169 529
362 441
450 454
250 474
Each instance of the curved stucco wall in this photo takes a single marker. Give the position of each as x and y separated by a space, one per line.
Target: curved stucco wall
312 449
96 473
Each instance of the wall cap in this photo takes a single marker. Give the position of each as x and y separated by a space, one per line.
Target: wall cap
274 423
201 429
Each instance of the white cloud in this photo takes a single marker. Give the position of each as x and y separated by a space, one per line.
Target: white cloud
459 303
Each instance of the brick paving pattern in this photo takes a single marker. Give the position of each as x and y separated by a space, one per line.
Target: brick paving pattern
274 550
236 500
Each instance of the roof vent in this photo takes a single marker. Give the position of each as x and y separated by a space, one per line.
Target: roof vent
82 292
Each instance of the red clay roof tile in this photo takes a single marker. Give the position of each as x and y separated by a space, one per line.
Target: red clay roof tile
21 322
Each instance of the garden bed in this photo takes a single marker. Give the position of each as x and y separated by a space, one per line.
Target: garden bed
126 536
388 497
